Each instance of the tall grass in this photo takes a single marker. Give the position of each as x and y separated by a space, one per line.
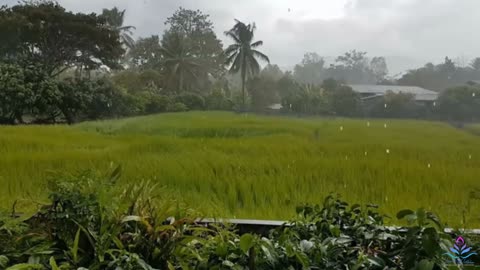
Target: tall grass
248 166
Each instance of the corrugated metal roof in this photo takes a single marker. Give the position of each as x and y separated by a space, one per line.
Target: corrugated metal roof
421 94
276 106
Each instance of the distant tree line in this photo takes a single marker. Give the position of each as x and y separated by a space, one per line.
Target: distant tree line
56 65
352 67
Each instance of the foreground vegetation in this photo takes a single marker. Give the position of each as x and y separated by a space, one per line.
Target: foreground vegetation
89 224
246 166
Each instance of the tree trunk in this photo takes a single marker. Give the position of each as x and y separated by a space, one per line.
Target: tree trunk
181 82
243 74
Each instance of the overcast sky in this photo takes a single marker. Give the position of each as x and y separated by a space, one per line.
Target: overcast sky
407 32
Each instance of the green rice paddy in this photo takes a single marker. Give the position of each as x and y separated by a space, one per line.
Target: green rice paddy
248 166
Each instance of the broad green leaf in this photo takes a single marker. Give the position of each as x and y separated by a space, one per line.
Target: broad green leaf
246 242
221 250
26 266
53 264
402 213
421 216
75 246
302 258
377 261
3 261
429 241
432 217
425 265
228 263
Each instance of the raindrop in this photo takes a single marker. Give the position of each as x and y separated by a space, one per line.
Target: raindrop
341 128
346 157
344 185
290 106
473 94
387 151
429 165
366 153
385 105
469 156
368 124
434 104
385 125
386 198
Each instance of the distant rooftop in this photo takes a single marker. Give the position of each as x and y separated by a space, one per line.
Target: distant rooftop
276 106
421 94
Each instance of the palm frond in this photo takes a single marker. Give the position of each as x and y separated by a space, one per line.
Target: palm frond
252 27
260 55
237 63
233 36
230 59
253 66
231 49
128 40
256 44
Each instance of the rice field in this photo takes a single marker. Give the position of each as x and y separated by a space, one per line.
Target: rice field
247 166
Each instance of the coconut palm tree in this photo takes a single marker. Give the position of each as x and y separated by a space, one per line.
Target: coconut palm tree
180 66
115 19
242 55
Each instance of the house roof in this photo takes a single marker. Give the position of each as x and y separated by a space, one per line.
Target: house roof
276 106
421 94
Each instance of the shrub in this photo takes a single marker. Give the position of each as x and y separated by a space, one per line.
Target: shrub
108 101
178 107
217 100
394 105
308 99
191 100
157 103
460 103
262 92
344 101
25 90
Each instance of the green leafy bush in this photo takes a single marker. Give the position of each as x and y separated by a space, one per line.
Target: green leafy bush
460 103
178 107
217 100
396 105
157 103
191 100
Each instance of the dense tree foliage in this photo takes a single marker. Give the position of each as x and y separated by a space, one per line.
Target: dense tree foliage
147 54
193 32
442 76
46 35
352 67
460 103
115 20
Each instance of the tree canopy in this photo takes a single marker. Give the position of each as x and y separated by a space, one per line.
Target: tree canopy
48 36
